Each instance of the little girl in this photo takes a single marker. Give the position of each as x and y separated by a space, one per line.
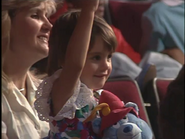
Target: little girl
81 46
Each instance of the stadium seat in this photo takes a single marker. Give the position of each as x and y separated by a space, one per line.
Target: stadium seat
154 92
160 87
128 91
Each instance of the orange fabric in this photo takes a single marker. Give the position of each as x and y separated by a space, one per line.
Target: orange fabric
124 47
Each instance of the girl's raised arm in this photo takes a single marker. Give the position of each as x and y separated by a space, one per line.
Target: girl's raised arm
76 53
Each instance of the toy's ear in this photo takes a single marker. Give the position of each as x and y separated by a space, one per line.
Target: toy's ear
134 105
96 123
146 131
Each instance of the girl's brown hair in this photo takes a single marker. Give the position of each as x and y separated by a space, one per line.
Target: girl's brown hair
62 31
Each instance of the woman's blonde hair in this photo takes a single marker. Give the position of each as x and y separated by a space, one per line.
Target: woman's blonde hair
9 9
13 5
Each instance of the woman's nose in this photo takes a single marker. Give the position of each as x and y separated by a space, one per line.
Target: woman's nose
47 26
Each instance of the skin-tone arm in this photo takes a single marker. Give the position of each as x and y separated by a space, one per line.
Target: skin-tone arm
176 54
77 49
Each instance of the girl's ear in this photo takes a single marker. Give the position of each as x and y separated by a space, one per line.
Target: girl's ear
96 124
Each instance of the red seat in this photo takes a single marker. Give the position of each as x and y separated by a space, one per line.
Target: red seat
154 92
160 88
128 91
127 17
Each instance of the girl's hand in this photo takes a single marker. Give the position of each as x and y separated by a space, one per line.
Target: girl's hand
87 5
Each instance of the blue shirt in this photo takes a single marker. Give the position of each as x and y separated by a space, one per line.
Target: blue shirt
167 26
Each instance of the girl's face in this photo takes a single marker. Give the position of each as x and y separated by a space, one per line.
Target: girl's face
98 65
30 32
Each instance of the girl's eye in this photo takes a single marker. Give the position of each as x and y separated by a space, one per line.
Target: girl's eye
109 57
35 16
96 57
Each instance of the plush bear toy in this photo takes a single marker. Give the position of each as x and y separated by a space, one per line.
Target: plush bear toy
118 121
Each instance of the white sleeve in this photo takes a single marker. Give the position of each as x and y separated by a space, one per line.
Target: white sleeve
4 128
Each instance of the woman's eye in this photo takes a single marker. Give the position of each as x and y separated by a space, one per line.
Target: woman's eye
35 16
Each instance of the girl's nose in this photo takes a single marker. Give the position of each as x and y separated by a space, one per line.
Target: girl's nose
105 64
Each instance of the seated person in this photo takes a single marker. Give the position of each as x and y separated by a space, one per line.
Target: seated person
163 29
171 112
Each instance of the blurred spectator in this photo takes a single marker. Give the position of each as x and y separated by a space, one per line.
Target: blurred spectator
171 112
163 29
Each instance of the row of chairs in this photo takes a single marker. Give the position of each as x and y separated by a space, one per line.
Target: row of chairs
148 101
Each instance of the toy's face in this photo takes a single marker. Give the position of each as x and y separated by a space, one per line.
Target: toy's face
123 130
130 127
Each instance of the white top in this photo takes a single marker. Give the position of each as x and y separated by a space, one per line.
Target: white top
81 97
19 118
122 65
166 67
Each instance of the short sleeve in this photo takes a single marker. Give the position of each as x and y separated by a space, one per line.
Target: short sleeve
43 98
4 128
81 97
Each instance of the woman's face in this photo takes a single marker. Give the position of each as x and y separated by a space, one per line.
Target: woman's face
30 32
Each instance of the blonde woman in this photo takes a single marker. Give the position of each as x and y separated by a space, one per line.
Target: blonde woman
26 31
